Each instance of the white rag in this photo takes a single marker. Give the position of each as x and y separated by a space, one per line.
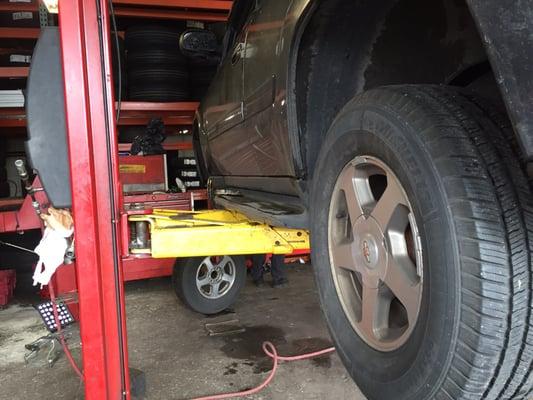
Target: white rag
51 250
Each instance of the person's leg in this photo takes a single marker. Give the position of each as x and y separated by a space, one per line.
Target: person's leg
277 270
257 270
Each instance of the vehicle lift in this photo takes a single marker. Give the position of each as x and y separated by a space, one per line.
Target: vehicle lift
102 218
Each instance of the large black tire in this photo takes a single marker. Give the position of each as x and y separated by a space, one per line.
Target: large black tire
202 75
118 61
149 36
157 75
160 92
472 204
184 280
155 57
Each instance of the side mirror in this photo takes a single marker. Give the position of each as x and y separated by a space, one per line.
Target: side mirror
200 46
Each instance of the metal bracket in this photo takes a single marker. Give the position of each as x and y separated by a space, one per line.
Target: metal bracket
44 18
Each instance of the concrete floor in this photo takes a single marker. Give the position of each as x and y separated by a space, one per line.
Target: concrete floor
171 345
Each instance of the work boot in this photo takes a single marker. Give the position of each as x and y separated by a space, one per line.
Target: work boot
259 283
280 284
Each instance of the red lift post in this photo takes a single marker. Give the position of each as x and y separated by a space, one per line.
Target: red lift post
93 151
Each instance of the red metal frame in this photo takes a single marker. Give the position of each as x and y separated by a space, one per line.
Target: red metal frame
139 113
19 33
170 14
14 7
187 107
196 4
131 113
14 72
200 10
94 179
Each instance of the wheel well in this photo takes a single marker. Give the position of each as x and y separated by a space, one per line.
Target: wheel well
345 47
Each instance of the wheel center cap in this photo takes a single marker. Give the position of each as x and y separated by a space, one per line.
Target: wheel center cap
216 275
370 249
367 250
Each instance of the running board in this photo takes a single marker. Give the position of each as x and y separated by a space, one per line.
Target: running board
213 232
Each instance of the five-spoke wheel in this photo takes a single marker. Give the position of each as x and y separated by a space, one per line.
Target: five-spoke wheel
375 253
215 276
209 284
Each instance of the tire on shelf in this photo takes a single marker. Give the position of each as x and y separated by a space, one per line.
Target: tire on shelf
198 92
158 93
117 55
209 285
421 240
202 75
152 36
178 76
139 59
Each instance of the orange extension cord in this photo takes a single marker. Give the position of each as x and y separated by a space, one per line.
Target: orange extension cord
270 350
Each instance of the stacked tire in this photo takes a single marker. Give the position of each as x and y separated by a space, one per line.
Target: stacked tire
118 57
157 71
200 79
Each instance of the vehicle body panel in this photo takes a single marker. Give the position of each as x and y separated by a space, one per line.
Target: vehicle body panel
262 139
259 145
506 28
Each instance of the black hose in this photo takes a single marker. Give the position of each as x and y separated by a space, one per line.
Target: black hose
119 62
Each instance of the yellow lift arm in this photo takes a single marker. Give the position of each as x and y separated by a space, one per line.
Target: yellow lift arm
215 232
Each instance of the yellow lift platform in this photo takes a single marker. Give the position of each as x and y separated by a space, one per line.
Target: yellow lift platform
214 232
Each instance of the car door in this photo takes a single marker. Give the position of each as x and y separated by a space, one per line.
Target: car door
222 108
263 62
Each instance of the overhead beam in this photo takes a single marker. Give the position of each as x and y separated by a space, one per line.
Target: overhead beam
18 7
14 72
195 4
131 113
170 14
177 106
19 33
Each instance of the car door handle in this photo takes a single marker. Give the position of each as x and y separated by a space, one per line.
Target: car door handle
237 54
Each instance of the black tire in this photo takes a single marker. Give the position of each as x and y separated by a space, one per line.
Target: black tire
118 61
178 76
149 37
153 57
184 281
159 93
198 92
202 76
472 203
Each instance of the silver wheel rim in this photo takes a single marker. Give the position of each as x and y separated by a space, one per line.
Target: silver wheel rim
215 276
375 253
